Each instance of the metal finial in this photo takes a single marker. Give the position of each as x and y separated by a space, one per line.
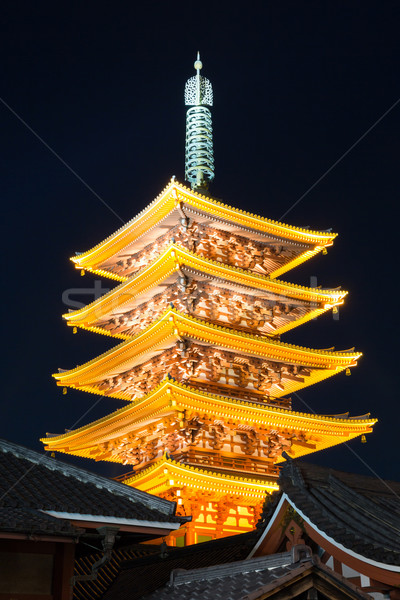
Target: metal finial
198 64
199 160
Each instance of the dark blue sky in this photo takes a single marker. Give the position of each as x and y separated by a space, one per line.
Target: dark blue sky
295 86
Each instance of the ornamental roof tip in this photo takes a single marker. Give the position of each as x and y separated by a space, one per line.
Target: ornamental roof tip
292 471
198 89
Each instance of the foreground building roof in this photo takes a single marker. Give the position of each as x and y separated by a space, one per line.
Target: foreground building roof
44 495
351 521
141 576
20 520
286 575
359 513
355 519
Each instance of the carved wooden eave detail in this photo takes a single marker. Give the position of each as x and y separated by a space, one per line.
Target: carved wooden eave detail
192 441
210 243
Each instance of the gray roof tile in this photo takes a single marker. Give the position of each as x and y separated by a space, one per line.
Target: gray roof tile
33 522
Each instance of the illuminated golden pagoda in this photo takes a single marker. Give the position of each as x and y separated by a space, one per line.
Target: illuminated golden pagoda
201 364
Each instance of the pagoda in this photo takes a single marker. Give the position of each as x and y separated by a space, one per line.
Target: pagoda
199 312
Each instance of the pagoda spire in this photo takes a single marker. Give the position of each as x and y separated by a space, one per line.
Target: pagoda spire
199 159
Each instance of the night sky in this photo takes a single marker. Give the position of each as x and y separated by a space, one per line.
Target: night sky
296 85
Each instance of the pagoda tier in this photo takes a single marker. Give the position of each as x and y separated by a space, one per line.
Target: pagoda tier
216 456
205 289
202 224
203 428
209 357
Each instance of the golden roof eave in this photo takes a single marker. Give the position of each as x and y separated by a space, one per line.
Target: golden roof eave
175 257
171 395
172 326
167 473
173 194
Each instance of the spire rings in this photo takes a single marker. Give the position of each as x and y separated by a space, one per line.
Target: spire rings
199 146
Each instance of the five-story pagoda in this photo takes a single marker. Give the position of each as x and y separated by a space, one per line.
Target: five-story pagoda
200 311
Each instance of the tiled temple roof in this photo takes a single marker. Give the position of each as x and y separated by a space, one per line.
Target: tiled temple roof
361 513
230 581
143 576
31 483
164 210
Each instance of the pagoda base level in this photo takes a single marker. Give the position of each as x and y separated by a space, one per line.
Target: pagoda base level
219 504
212 519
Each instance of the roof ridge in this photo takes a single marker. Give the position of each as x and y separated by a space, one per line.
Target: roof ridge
291 470
221 204
312 469
174 186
